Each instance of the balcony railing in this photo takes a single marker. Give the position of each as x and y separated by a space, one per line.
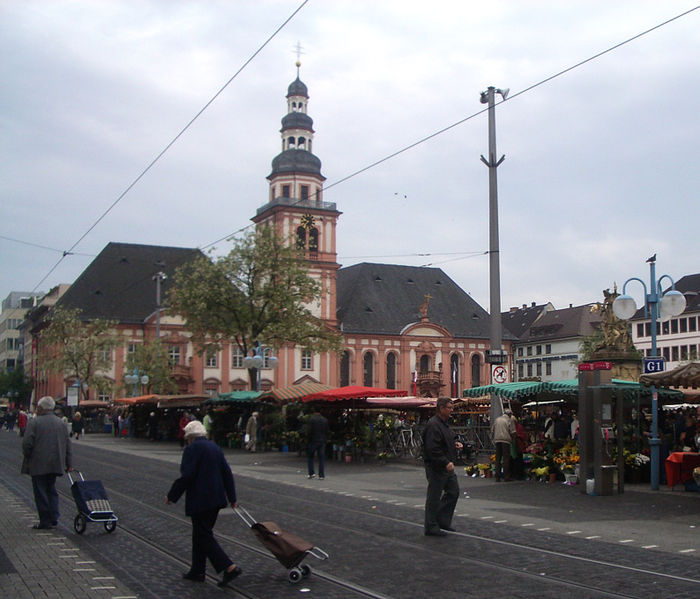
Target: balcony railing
296 202
180 371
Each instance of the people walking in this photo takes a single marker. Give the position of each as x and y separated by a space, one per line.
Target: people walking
318 433
152 425
77 426
208 422
22 422
440 454
503 433
251 431
47 454
207 481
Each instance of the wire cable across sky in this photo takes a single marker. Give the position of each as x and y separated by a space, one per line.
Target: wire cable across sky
372 165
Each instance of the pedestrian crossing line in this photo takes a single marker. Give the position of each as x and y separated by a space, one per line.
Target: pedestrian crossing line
487 517
101 588
597 537
687 551
84 563
103 577
627 541
574 532
527 524
544 528
500 521
649 546
83 569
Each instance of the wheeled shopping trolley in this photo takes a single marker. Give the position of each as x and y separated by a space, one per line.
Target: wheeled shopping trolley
92 503
289 549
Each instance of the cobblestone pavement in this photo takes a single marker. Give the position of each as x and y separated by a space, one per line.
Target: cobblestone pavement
514 538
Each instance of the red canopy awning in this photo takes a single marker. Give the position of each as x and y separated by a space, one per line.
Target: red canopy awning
353 392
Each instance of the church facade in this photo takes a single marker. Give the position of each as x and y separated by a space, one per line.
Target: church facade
404 327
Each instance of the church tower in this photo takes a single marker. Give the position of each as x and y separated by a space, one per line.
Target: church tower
295 206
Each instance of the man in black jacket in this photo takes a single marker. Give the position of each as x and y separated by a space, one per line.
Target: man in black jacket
440 454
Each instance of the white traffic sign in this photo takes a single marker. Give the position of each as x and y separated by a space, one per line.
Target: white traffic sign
499 374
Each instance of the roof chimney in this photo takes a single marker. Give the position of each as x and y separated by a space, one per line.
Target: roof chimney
533 304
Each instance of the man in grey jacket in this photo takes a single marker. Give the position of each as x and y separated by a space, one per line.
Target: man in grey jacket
47 454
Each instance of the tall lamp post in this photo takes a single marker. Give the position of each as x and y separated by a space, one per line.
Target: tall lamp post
257 361
496 355
134 379
660 305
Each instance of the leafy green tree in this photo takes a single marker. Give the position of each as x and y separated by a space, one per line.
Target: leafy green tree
15 381
260 292
79 349
151 358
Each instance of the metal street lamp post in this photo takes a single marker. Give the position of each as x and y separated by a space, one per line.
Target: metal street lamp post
134 379
257 361
663 306
496 355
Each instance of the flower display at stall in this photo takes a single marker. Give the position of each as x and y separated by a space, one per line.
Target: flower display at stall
567 458
635 460
542 473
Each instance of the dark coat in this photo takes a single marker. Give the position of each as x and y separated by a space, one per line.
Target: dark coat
318 429
46 446
206 478
438 444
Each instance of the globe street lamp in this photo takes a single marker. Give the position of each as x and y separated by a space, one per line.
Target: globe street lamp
257 361
663 306
134 379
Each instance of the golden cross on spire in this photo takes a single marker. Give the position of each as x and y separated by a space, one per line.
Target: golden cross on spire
299 51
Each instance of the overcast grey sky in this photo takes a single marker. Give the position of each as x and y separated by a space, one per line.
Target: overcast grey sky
601 167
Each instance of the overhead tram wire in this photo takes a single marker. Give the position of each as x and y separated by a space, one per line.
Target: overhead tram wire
44 247
468 118
172 142
390 156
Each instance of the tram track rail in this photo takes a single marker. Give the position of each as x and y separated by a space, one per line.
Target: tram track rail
655 576
359 525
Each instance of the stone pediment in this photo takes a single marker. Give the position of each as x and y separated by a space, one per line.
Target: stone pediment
425 329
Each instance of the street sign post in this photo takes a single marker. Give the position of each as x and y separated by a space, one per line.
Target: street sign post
499 374
652 365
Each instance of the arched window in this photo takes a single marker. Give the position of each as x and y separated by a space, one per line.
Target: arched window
302 143
391 370
301 238
345 369
290 143
294 106
424 363
368 370
476 370
313 240
454 375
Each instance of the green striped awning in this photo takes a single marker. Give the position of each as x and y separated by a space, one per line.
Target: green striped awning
236 397
629 389
509 390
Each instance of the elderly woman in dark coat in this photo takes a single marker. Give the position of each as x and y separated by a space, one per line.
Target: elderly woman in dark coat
207 481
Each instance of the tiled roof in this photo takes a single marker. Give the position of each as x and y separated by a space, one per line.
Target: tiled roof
577 321
118 284
385 298
519 320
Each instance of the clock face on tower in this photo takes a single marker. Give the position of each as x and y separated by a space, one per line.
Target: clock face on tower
307 221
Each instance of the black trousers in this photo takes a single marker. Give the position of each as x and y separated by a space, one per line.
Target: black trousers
46 498
503 455
441 499
204 545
